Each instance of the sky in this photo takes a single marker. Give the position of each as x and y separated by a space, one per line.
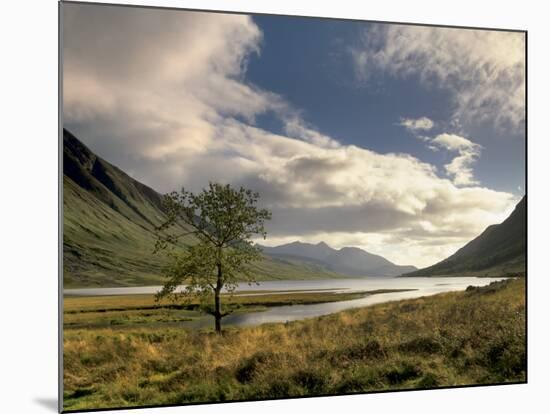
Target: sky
406 141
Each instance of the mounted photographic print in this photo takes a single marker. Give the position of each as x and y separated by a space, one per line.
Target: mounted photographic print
260 207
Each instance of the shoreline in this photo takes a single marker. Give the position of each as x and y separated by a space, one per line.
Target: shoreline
90 312
250 307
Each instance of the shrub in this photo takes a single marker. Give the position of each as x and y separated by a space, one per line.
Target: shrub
429 380
402 373
421 345
360 380
314 381
250 366
369 350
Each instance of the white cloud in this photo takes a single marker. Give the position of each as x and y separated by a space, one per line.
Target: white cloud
391 204
483 69
170 75
460 167
455 142
419 124
163 95
296 127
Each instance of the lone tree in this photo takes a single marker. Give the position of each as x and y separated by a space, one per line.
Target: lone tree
223 220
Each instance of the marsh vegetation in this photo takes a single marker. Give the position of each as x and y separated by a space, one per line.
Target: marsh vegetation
457 338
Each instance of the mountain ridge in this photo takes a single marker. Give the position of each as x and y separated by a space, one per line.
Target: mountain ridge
108 228
499 250
351 261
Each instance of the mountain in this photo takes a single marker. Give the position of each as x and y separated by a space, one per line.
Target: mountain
108 227
312 252
499 251
350 261
108 222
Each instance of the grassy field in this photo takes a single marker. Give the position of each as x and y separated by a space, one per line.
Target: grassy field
459 338
125 311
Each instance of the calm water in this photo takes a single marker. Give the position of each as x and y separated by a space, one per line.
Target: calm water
424 286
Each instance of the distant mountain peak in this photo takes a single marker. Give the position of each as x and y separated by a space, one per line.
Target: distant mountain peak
351 261
352 249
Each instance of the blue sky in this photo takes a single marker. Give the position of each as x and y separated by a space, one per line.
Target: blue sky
308 62
405 141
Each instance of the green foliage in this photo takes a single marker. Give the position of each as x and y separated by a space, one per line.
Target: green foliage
219 215
223 219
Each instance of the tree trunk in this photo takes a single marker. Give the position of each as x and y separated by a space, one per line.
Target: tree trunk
217 301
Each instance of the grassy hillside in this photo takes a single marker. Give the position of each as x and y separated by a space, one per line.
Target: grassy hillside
108 227
459 338
108 224
500 250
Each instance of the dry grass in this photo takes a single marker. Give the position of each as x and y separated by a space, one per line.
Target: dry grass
80 304
127 311
471 337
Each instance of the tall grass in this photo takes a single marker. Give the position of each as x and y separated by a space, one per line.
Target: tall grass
472 337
